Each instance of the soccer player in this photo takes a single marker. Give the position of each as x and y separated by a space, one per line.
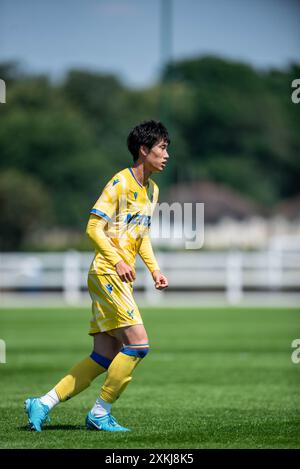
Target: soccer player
119 227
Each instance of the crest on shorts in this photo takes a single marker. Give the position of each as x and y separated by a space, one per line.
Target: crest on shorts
130 313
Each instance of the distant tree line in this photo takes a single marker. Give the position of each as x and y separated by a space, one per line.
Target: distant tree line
60 142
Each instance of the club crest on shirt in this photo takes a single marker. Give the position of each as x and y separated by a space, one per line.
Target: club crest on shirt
109 287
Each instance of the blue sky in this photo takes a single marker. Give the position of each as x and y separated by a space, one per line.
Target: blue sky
123 36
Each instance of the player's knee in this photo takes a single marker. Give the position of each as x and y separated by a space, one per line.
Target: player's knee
139 351
143 352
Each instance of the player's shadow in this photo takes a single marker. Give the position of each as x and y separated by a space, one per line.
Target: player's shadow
54 427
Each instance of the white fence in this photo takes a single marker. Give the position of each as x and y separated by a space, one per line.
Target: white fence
194 277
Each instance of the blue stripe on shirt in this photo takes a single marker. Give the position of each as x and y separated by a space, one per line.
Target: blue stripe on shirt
100 214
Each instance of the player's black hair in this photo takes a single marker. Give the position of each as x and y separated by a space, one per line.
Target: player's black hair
147 133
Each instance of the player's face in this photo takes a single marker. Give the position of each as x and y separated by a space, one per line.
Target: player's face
157 157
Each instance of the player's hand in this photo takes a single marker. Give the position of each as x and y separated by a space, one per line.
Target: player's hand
125 272
160 280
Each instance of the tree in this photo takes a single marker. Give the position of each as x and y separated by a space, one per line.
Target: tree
25 206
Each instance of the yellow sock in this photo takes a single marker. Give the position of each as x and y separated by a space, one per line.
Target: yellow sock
119 373
80 377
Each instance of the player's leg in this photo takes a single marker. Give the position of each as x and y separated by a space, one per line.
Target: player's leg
77 379
83 373
135 348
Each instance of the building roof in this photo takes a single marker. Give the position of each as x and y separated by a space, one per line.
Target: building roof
220 201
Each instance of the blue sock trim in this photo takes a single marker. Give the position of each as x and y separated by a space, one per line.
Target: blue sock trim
135 352
103 361
137 345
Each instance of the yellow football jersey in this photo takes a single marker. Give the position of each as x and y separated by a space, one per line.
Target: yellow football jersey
128 208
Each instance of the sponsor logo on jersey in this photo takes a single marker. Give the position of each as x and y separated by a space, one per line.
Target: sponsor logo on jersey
136 219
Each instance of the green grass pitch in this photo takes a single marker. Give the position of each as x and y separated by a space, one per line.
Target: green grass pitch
214 378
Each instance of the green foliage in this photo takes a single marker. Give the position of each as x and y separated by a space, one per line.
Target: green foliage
239 111
25 205
228 123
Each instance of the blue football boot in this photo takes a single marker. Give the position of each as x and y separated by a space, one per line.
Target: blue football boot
106 423
37 413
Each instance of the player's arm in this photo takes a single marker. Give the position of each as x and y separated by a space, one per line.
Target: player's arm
103 210
95 231
148 257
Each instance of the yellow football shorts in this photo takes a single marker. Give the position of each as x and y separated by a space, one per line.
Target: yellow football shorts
113 305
